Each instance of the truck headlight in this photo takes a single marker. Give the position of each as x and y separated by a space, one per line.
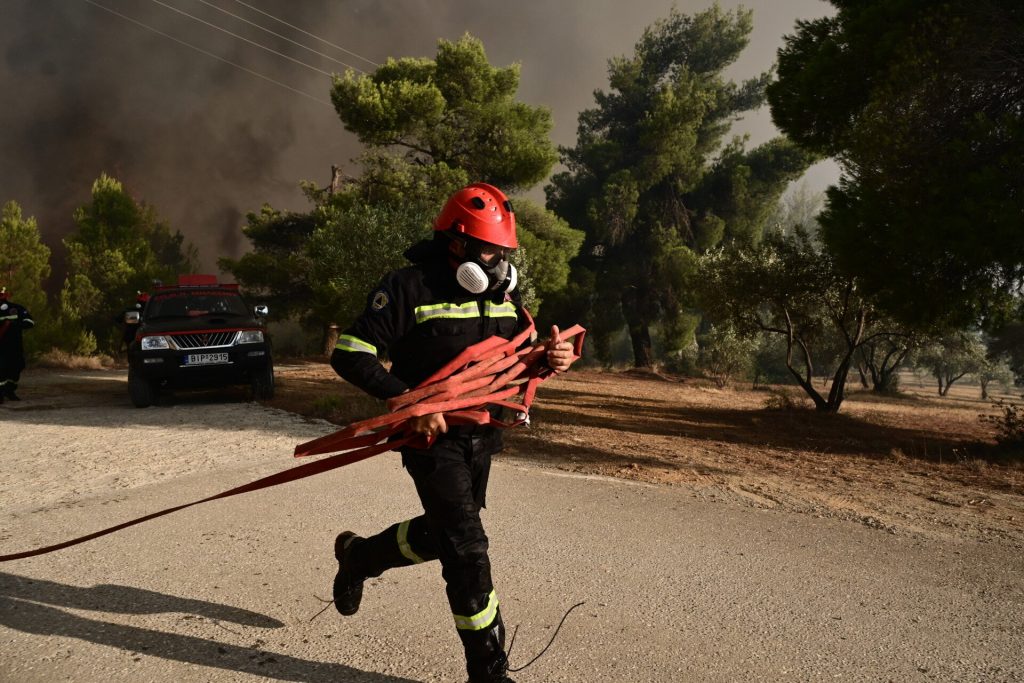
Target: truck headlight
154 343
249 337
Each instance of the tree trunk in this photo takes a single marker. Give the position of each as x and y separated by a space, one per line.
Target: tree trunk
838 391
640 335
885 381
806 382
819 403
950 380
637 307
863 377
337 179
984 390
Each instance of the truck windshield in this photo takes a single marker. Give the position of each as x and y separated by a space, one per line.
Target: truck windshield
195 304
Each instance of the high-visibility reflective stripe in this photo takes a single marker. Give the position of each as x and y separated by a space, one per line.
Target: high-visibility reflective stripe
5 381
9 317
463 311
30 321
437 311
403 543
506 309
347 342
482 619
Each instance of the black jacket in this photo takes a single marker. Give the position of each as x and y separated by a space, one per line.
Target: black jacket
14 318
420 318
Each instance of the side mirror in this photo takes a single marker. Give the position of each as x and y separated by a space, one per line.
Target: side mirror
261 310
132 318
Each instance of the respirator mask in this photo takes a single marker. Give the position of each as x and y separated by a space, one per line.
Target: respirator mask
477 276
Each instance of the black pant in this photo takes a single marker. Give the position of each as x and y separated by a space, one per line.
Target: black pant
451 480
9 377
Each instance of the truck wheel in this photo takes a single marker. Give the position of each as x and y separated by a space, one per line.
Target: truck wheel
142 392
263 383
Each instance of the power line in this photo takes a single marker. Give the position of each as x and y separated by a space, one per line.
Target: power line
292 26
235 35
267 30
209 54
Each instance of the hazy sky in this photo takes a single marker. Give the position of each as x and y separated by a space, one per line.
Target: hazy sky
204 142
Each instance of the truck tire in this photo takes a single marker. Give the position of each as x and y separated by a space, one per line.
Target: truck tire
142 392
263 383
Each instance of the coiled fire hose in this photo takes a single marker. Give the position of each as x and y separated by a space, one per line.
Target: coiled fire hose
491 373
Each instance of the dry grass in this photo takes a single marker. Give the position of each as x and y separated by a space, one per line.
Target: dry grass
911 462
62 360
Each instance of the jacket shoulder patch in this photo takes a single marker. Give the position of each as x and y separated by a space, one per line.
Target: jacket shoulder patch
379 300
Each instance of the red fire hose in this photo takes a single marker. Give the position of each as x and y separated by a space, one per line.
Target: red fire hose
493 372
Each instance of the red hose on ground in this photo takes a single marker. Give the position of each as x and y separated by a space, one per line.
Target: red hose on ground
489 373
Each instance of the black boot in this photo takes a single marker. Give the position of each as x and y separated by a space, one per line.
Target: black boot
11 396
348 585
496 672
486 661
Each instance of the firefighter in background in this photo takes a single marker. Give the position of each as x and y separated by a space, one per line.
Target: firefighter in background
459 290
14 320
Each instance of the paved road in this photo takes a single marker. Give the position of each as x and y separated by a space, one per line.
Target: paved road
676 589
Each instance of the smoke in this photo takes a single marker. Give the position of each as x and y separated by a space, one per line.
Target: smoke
205 142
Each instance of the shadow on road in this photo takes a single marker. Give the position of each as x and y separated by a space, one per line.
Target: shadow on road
124 600
20 609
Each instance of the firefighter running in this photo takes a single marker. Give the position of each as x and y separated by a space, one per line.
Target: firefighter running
14 319
459 290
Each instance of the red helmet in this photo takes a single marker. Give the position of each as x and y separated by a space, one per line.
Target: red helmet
142 297
481 211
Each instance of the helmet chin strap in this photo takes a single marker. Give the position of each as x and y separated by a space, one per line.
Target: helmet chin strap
476 279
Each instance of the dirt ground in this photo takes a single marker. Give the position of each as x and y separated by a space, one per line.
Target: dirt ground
750 543
914 464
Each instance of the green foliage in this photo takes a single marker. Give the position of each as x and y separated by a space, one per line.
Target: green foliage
1008 341
882 357
546 243
24 266
455 116
742 191
797 209
351 249
317 267
430 126
1008 423
993 370
724 354
950 357
276 271
643 180
74 337
788 286
770 361
920 102
120 246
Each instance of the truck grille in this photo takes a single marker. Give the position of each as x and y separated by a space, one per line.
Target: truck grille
204 341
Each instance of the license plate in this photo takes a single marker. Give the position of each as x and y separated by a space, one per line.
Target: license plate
206 358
